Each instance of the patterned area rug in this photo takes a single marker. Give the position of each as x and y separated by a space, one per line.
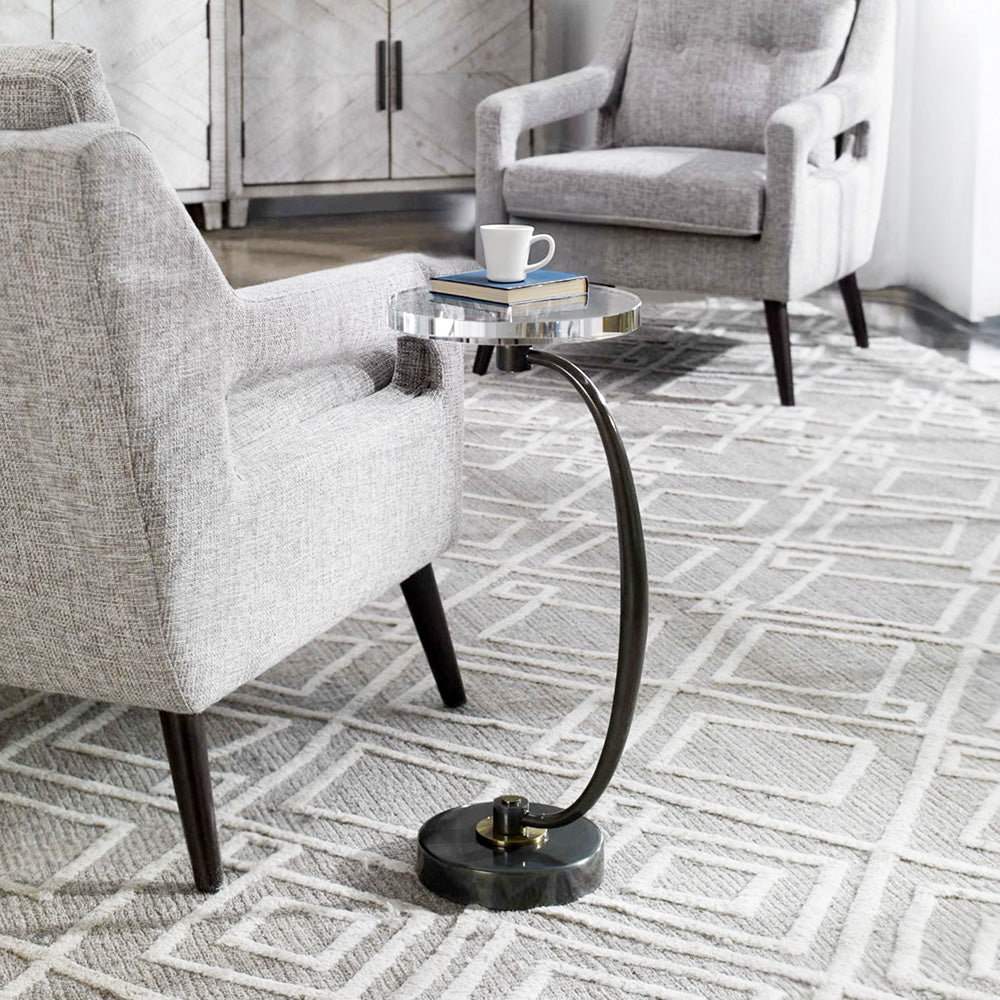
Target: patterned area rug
810 804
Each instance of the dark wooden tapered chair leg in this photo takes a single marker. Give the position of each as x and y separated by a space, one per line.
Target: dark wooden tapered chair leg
781 348
424 602
187 753
855 308
482 363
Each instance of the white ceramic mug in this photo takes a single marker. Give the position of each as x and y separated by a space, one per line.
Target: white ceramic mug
506 249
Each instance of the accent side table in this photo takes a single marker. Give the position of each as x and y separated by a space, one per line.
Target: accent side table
511 854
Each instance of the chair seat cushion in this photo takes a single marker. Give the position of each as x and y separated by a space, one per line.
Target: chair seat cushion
711 191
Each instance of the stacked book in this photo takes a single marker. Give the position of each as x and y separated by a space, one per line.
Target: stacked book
540 289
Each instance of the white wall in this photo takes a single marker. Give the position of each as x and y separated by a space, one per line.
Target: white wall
986 239
942 151
890 259
941 221
940 228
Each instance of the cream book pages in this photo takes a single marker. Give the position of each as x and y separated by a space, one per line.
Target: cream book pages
310 86
155 56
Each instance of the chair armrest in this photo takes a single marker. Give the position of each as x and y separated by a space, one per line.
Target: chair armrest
503 116
844 105
428 366
320 316
796 129
819 220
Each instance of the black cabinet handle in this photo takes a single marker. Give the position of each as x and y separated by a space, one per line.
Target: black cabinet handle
380 73
397 58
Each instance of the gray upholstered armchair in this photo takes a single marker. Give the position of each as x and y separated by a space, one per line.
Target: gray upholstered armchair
195 480
741 151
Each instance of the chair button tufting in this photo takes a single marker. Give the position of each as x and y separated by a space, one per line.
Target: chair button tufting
679 47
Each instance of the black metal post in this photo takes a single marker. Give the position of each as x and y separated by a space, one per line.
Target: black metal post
501 855
634 593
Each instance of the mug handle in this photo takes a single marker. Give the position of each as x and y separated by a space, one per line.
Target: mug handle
547 257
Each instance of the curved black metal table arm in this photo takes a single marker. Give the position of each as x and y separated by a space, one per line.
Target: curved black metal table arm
634 592
521 857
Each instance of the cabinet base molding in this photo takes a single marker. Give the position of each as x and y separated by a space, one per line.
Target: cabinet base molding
238 206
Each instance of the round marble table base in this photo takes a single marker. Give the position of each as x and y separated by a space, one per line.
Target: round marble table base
452 862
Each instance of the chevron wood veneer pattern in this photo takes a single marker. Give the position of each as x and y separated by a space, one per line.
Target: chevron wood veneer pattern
309 88
455 53
156 59
809 807
25 21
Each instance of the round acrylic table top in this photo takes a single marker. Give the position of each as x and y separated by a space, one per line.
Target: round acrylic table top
607 312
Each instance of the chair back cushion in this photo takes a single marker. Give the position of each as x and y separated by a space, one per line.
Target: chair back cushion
55 83
710 73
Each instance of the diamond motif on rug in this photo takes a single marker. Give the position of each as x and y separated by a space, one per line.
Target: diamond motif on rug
809 807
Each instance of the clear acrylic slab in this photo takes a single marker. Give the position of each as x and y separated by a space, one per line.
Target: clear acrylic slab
607 312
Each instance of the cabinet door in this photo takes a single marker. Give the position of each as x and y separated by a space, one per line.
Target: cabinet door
25 21
310 85
155 58
454 53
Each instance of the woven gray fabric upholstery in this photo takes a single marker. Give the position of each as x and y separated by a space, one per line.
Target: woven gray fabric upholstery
703 73
54 84
819 221
195 481
656 187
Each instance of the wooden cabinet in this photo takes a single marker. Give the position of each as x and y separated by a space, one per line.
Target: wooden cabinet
163 64
453 54
264 98
310 81
25 21
348 96
156 60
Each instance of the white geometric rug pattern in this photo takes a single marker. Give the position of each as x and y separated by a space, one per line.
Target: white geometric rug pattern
810 803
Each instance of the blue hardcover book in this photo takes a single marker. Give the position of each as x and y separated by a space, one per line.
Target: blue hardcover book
540 284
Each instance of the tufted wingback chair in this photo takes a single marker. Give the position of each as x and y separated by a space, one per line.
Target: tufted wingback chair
741 150
195 480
